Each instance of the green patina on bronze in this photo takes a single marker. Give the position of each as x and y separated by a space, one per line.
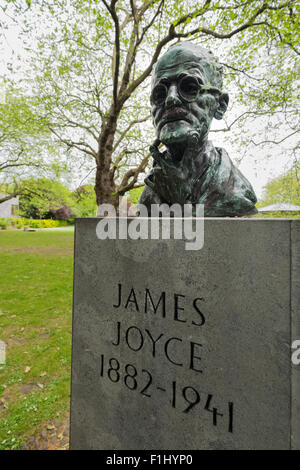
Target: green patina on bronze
186 96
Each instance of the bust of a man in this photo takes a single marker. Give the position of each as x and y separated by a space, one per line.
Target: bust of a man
186 96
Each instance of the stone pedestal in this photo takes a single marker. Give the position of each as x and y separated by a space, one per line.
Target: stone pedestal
176 349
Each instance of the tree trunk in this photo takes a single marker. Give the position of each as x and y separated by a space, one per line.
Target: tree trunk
104 185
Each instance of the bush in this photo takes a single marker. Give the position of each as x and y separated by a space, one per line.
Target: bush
3 223
64 213
135 194
34 223
278 215
20 222
43 196
84 202
48 223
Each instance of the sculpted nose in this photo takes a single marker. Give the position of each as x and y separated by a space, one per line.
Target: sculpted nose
173 98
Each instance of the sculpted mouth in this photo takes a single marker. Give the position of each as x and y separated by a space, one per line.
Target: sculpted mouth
174 114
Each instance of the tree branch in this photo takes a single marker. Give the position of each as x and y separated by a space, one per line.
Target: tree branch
284 41
241 71
172 35
76 145
8 197
132 173
274 141
123 134
112 10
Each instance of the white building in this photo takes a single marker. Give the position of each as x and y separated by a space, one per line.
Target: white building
280 207
9 209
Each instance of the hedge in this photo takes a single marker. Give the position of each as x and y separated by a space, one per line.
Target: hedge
22 222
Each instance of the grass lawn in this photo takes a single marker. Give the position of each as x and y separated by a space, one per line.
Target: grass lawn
36 272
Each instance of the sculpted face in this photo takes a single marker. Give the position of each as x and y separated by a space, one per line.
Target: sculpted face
184 96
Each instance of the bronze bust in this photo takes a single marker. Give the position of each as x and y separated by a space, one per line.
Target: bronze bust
186 95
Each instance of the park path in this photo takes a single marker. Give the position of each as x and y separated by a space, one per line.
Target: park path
60 229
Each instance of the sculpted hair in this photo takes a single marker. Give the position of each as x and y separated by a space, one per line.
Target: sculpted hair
201 56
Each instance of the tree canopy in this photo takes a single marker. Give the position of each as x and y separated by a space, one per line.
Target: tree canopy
26 143
48 198
283 189
89 65
43 197
84 201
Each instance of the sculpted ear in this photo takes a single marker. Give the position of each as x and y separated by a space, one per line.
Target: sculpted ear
222 105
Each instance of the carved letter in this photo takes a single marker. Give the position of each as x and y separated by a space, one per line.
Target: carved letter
194 357
200 313
132 300
154 341
141 338
166 351
118 334
120 296
177 308
162 298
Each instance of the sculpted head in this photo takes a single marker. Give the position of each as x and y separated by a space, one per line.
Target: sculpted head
186 93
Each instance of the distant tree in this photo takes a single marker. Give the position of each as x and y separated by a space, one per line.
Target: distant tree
44 198
91 63
134 194
63 213
84 201
26 143
284 188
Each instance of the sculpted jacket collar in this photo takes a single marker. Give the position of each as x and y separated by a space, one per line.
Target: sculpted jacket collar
222 188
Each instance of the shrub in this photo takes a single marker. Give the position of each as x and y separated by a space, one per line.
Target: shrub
19 222
278 215
49 223
34 223
3 223
64 213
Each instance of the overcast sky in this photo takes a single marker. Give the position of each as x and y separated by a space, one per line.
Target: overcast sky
256 166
